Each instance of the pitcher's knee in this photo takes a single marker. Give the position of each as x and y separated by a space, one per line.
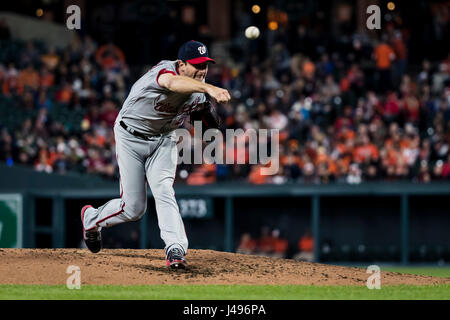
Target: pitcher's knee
163 191
135 210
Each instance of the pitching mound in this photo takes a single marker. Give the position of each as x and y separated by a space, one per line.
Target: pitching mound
146 267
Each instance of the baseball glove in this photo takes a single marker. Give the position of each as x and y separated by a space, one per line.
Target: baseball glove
208 116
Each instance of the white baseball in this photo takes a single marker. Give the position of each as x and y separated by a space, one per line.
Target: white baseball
252 32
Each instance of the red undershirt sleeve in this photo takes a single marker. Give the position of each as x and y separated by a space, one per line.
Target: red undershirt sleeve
162 71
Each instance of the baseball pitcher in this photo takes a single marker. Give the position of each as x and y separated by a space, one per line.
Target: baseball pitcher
146 147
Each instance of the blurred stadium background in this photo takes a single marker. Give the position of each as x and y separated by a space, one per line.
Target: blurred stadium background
364 120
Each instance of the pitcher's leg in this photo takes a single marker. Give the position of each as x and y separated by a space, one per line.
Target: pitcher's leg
132 203
161 169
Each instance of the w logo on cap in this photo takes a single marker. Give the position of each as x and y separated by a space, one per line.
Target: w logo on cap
202 49
194 52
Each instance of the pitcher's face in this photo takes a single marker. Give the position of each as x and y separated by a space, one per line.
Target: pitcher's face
195 71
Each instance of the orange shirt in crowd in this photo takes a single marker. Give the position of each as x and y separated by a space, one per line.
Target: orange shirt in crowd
280 245
64 95
404 143
283 136
321 158
362 153
392 156
266 244
344 164
341 148
255 175
47 80
12 85
332 166
48 157
96 140
247 244
29 79
51 60
400 49
108 55
205 174
306 244
384 55
290 160
309 68
346 134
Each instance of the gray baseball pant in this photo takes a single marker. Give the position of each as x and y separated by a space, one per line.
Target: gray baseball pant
141 161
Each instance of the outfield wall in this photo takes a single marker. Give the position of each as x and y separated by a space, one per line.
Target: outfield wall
369 222
392 222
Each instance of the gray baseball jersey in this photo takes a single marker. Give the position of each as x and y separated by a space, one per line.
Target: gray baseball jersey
152 109
149 109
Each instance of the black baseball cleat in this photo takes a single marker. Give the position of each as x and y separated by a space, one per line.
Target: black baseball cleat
93 237
175 259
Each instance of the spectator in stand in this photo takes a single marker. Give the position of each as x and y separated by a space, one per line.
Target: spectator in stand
330 89
305 247
411 108
354 174
46 78
43 164
12 85
247 245
50 59
280 245
441 79
203 174
110 57
425 75
6 147
391 109
384 55
401 56
371 173
365 151
109 112
335 124
265 243
30 55
424 173
255 176
64 94
446 169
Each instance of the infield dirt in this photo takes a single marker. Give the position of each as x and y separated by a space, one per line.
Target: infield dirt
146 267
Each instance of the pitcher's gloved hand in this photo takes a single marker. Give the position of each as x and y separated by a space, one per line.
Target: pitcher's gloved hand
208 116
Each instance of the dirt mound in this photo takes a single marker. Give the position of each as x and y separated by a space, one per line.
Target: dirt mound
145 267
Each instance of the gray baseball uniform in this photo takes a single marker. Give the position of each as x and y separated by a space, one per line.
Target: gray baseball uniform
155 111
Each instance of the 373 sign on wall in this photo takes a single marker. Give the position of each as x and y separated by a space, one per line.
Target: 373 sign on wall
11 214
195 207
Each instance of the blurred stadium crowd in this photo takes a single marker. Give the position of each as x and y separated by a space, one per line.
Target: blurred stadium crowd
271 244
360 113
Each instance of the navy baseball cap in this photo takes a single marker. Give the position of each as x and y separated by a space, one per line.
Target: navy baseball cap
194 52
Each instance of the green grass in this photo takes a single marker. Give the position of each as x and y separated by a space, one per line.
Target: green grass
238 292
223 292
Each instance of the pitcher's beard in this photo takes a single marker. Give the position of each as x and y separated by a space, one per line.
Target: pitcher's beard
199 78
